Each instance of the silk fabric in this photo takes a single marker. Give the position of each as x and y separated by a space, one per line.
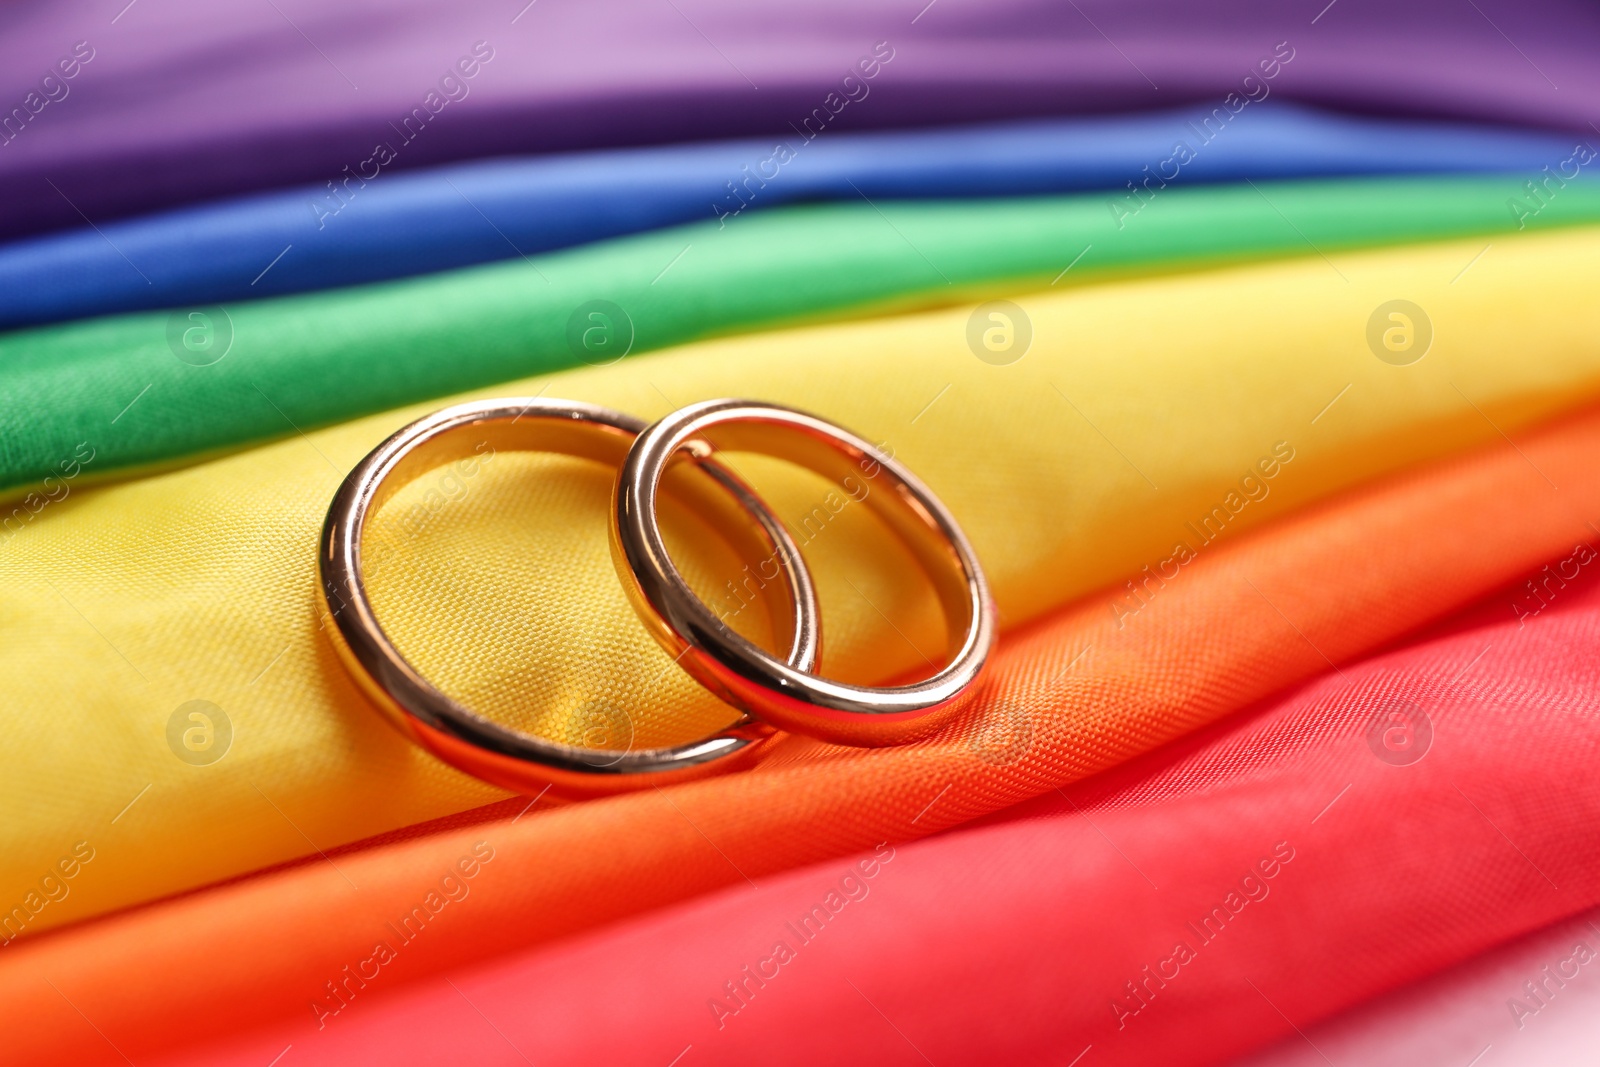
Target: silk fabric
160 389
1331 836
184 101
197 585
439 218
1394 817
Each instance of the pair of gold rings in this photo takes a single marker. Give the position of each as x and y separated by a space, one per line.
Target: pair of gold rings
675 455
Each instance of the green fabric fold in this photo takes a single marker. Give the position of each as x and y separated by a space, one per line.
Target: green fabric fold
142 391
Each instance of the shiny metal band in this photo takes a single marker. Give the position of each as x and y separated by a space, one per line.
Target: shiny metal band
780 693
455 733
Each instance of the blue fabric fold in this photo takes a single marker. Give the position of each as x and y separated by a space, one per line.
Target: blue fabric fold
407 223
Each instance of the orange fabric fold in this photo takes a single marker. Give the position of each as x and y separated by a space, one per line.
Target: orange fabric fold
1071 695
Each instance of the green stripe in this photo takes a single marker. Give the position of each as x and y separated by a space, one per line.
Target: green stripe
320 358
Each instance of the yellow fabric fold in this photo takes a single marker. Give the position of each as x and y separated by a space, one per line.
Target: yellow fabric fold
1146 416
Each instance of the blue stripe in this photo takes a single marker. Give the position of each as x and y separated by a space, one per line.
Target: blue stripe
416 222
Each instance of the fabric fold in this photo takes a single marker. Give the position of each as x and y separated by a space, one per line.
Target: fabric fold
156 389
1397 816
1068 698
1074 694
1482 1003
314 237
307 92
1092 457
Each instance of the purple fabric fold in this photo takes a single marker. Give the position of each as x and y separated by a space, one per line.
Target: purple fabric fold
173 101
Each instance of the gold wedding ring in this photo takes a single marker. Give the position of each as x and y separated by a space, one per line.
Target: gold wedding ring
455 733
785 694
